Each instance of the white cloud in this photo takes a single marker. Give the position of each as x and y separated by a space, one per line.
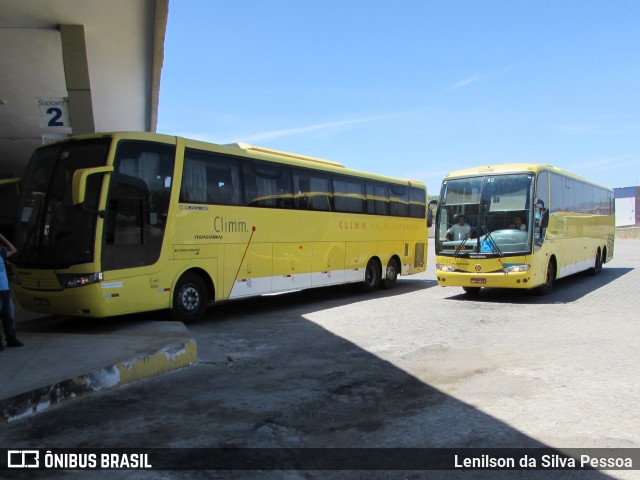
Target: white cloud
316 128
464 83
598 129
287 132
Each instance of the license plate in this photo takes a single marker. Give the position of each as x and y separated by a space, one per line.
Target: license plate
479 281
43 302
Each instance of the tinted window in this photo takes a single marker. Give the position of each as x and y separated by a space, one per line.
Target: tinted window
311 191
377 198
348 195
557 189
542 188
210 178
267 185
417 200
138 204
399 200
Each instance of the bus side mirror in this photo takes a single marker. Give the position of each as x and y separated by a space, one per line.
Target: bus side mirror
430 208
79 182
544 220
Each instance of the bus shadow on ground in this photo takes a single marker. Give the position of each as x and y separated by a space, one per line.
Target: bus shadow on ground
337 295
330 297
287 383
565 290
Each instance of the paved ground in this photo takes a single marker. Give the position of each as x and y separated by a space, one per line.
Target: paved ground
418 366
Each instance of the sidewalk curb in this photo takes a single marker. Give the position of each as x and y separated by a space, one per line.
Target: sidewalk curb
171 357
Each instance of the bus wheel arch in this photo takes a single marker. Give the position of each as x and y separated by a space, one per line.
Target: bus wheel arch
550 274
372 275
391 272
191 295
597 262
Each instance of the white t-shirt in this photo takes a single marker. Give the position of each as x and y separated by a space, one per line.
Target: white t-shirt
459 232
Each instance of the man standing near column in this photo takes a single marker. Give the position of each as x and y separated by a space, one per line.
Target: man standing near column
6 304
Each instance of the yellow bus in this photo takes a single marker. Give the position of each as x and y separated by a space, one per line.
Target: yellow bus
117 223
520 226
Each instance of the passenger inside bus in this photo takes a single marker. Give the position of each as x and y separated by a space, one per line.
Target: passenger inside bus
517 224
458 231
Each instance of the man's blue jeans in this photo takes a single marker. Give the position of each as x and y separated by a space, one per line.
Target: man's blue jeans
8 314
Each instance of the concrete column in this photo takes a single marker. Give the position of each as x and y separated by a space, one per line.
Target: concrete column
76 72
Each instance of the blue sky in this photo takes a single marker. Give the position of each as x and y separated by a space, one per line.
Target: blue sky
412 88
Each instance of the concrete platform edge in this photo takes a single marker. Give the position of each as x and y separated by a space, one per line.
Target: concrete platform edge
171 357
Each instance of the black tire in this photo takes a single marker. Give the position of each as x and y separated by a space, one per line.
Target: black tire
471 290
372 276
190 298
597 265
549 279
393 270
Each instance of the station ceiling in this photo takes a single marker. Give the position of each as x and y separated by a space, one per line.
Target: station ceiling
124 45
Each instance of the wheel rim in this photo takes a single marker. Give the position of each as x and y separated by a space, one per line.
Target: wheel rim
370 275
189 298
392 272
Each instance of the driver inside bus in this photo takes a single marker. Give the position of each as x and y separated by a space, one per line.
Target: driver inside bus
459 231
517 224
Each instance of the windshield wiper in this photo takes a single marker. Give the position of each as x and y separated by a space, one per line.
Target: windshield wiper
464 241
488 235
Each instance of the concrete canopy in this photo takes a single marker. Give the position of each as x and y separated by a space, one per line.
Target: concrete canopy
105 56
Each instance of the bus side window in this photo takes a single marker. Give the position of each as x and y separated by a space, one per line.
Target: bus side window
210 178
417 202
267 185
377 198
399 201
311 191
348 195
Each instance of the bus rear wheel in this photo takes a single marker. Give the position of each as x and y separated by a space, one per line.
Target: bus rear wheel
597 264
372 276
393 270
471 290
190 298
549 279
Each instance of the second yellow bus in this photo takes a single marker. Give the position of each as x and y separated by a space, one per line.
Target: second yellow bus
520 226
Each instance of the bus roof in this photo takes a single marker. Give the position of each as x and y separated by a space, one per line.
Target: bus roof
278 153
516 168
250 151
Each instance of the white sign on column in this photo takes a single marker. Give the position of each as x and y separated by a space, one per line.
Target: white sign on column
54 113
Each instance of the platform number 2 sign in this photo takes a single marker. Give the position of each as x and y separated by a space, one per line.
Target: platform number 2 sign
54 112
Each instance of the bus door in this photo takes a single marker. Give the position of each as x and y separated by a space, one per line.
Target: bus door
134 227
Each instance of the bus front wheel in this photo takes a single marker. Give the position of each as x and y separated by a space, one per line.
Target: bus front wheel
392 274
190 298
549 279
372 276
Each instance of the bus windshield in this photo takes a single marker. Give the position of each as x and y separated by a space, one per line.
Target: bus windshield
488 215
51 231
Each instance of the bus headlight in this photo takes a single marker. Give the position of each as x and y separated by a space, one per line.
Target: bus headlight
516 268
82 280
445 268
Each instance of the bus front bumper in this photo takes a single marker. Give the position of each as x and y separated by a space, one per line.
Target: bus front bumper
83 301
491 280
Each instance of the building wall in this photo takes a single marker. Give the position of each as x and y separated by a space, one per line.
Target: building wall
627 206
